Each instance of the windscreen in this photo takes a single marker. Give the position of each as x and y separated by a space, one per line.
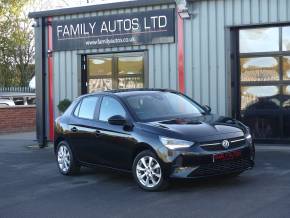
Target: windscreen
154 106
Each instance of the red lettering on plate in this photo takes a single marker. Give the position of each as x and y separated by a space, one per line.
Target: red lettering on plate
228 156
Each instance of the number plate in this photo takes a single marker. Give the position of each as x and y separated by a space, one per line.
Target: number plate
227 156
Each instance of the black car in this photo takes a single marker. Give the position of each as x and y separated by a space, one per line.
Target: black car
156 134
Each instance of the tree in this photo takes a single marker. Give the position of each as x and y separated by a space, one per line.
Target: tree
16 44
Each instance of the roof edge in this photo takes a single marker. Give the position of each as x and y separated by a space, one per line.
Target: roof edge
99 7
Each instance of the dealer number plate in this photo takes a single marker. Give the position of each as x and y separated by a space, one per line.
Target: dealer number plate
227 156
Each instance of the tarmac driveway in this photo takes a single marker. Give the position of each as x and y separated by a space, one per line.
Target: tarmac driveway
30 186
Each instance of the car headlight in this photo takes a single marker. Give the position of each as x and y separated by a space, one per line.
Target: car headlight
175 143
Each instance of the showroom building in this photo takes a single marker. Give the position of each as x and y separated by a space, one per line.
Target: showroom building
233 55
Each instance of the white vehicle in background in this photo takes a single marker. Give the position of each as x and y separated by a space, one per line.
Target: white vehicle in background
17 98
6 103
32 83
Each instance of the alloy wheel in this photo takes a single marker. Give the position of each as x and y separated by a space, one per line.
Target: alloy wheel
148 171
63 158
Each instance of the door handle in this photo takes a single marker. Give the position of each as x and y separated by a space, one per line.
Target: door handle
74 129
98 133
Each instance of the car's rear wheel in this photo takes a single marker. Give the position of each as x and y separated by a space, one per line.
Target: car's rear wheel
66 161
148 172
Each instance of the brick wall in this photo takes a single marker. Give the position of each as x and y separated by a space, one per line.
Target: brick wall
17 119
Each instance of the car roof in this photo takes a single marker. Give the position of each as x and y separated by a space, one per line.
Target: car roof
129 92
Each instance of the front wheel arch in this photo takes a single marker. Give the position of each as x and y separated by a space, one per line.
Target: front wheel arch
140 147
57 141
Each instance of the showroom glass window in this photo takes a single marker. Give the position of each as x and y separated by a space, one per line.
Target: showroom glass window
265 81
115 71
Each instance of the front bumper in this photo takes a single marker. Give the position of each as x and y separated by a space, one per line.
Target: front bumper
190 165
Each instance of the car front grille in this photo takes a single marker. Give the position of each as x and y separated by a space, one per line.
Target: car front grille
217 145
222 167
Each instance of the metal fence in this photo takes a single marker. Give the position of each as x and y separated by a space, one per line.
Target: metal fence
17 89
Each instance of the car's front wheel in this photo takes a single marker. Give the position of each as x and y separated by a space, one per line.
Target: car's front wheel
148 172
65 160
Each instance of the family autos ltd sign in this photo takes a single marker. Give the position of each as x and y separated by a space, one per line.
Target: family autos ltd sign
138 28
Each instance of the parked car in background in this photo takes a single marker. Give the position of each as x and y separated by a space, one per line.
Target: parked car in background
19 98
155 134
6 103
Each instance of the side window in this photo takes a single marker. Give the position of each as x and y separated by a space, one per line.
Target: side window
110 107
87 108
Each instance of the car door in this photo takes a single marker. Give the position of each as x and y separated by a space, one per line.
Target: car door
115 143
83 130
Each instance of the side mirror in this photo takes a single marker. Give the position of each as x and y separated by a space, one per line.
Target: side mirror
117 120
207 108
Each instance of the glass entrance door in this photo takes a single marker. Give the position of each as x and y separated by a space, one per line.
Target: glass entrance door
264 100
115 71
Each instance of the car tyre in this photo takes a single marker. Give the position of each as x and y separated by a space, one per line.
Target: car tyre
148 172
66 161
